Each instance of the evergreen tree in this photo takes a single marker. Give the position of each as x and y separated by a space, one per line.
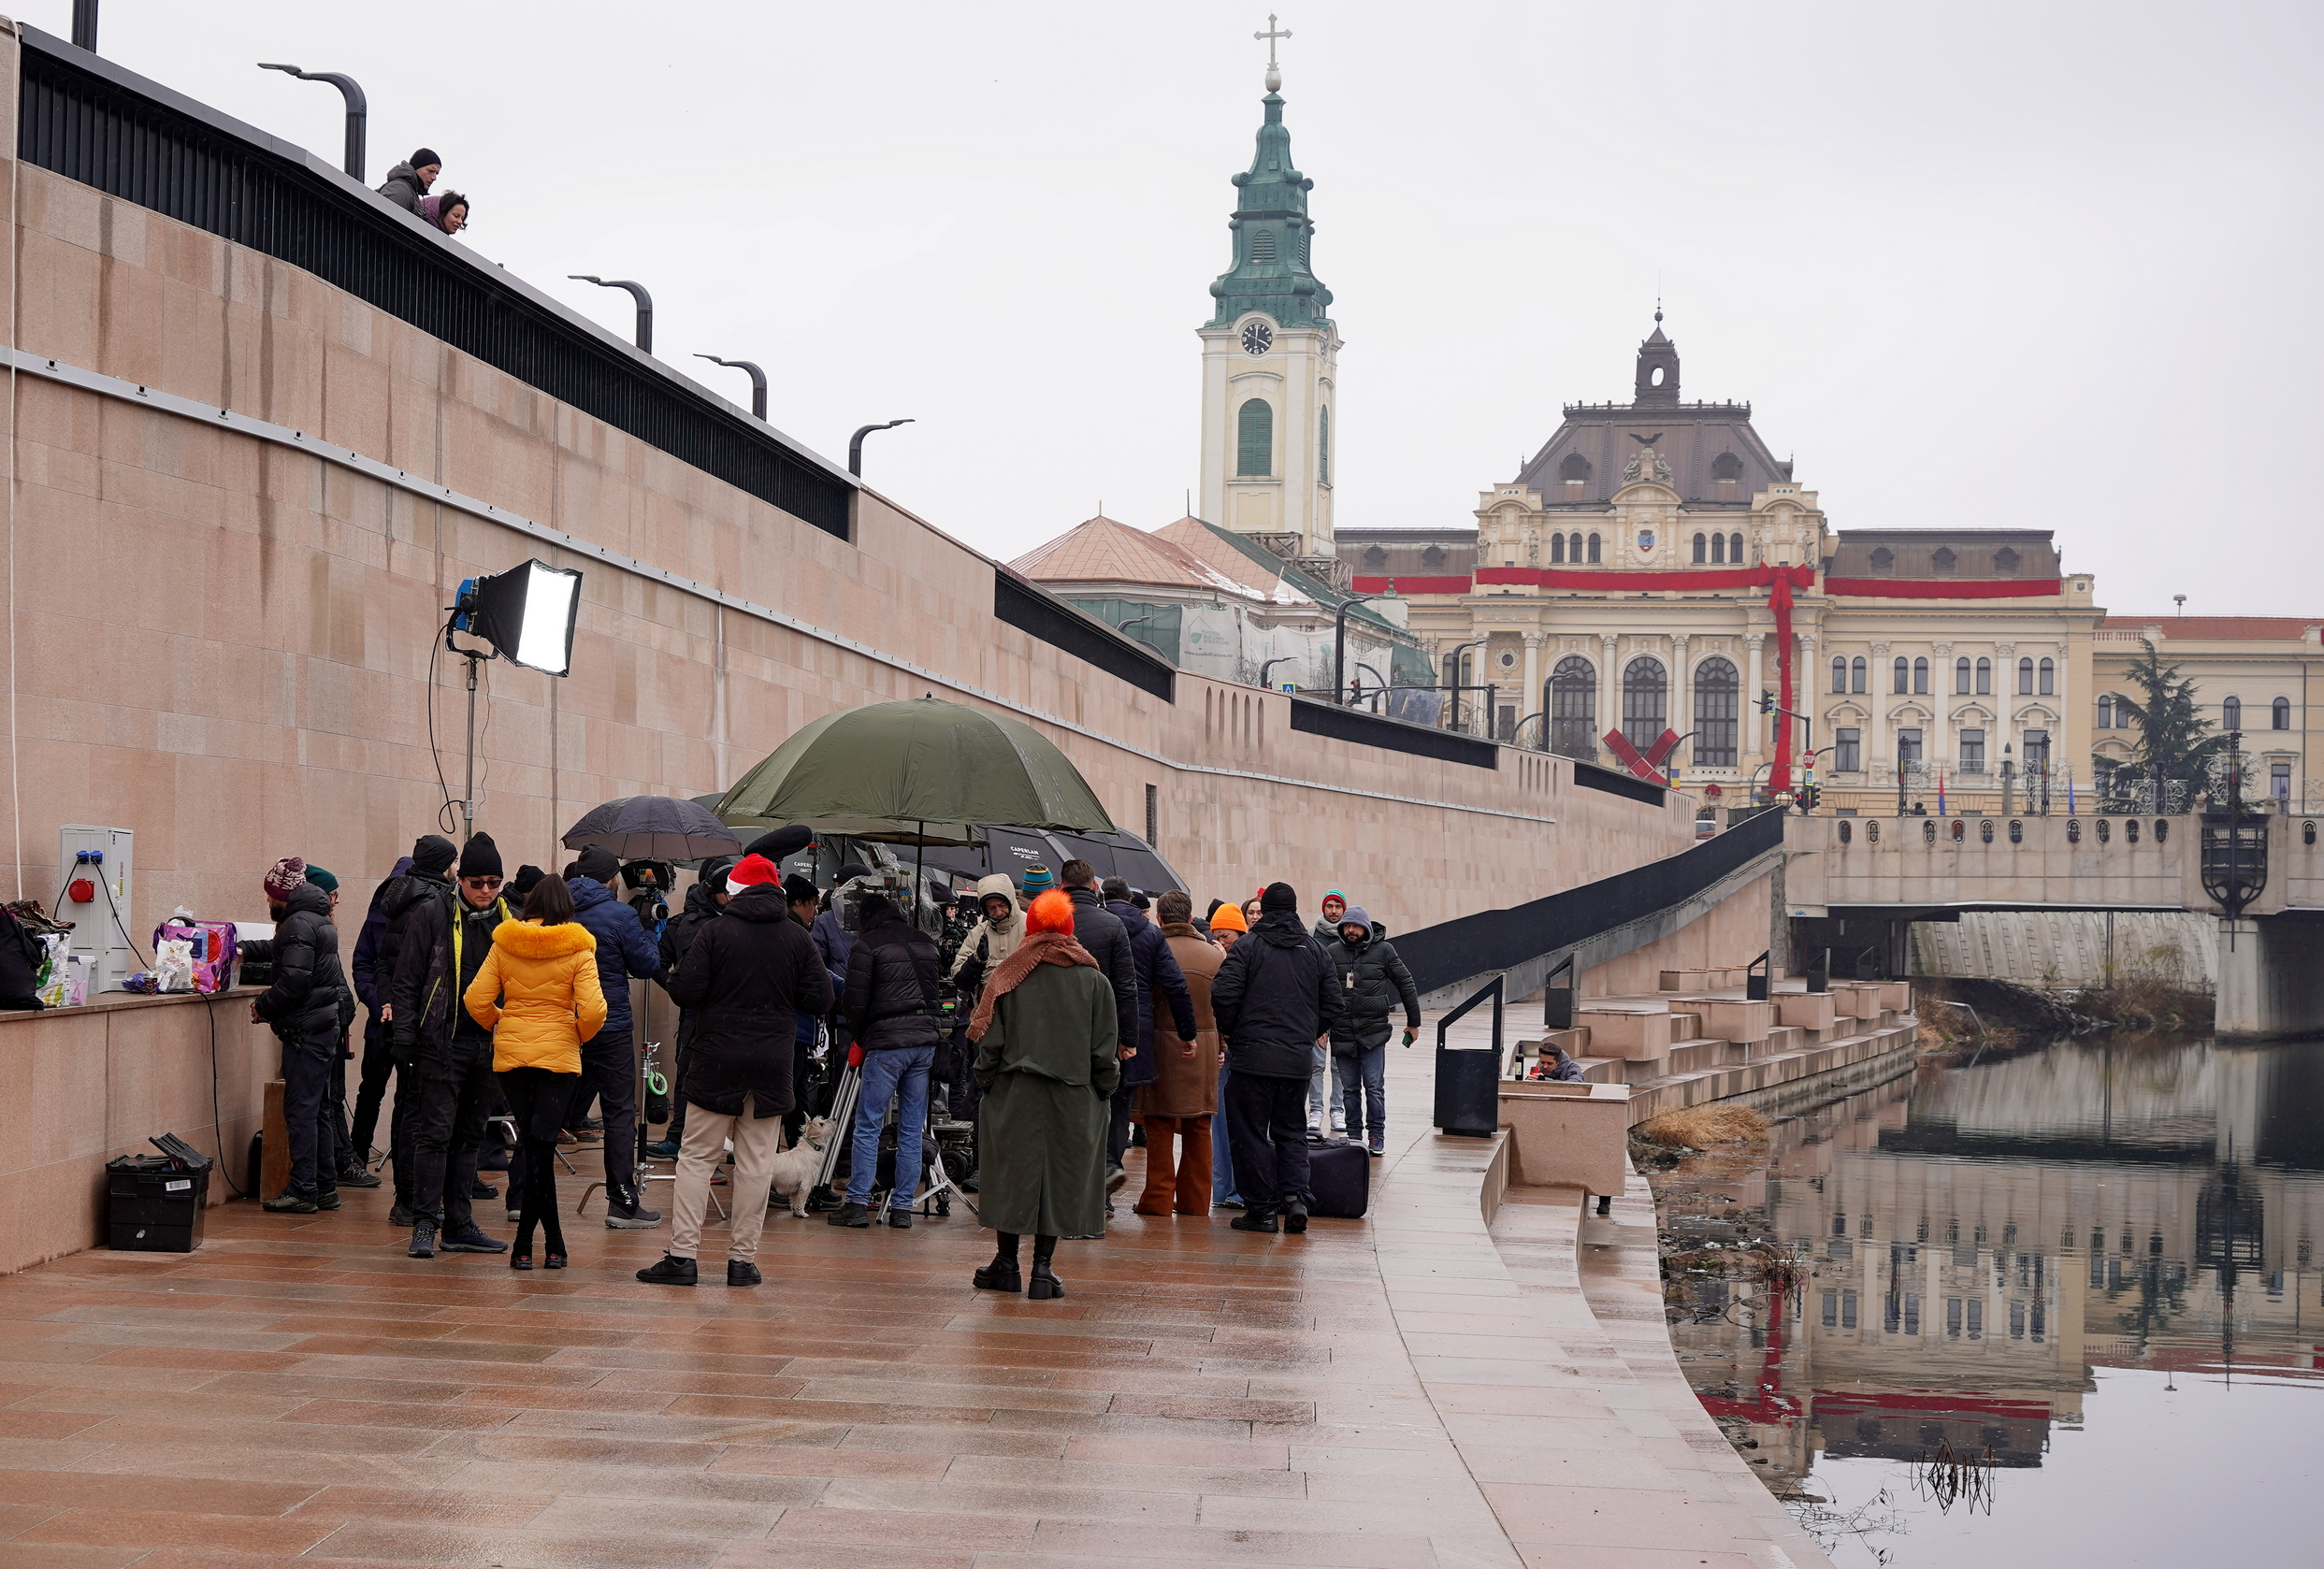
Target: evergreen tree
2175 741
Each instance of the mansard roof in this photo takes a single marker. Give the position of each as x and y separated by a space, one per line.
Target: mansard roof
1976 552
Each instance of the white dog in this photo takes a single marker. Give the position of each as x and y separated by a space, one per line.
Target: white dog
795 1169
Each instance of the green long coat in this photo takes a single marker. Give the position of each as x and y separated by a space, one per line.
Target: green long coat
1048 1068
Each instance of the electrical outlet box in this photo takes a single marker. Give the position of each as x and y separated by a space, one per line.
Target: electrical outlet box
107 859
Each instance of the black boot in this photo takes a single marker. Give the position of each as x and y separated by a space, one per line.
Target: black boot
1295 1217
1044 1285
672 1271
622 1213
849 1215
742 1272
1249 1222
1002 1275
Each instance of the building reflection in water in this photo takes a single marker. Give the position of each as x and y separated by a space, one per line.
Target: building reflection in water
1982 1237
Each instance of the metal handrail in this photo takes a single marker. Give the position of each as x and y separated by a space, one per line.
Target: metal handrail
1549 1001
1493 989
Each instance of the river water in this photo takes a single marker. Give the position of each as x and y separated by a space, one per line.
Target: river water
2090 1267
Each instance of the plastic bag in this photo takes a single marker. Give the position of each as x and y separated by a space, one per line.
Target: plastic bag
173 965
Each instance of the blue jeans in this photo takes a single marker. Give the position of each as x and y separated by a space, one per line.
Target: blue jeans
1222 1153
904 1072
1368 1111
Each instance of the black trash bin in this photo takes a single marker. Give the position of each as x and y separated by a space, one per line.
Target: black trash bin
1468 1090
154 1205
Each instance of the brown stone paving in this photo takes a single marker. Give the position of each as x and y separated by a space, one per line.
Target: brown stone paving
300 1389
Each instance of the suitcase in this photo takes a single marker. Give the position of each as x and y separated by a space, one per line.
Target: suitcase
1339 1177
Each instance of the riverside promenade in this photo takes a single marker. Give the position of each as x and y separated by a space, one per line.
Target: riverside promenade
1415 1390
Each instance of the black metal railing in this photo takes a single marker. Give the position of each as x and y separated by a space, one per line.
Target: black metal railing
91 122
1468 1078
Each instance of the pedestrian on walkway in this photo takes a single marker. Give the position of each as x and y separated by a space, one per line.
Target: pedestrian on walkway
892 1006
1372 981
1177 1106
370 978
1335 910
609 1061
1046 1031
704 903
1159 980
450 1053
401 902
1275 998
538 994
1100 931
749 974
1227 927
409 180
303 1005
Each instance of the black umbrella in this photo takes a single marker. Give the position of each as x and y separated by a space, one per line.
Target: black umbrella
653 828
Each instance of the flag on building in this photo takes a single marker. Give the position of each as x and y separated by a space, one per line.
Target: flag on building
1941 792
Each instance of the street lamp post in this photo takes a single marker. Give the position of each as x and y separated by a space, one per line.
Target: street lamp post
637 292
1378 691
1458 649
359 110
85 25
757 382
1339 645
855 444
1278 659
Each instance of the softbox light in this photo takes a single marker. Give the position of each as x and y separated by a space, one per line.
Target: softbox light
526 614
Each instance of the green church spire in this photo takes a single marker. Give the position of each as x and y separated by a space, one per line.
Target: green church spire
1272 233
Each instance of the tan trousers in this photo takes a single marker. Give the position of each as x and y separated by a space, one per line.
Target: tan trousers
758 1140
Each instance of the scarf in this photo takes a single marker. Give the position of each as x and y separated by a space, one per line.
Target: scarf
1042 947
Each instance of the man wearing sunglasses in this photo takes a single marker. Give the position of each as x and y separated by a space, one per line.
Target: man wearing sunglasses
450 1053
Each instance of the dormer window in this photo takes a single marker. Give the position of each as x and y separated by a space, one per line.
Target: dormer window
1726 472
1943 562
1433 556
2005 563
1575 472
1884 561
1376 557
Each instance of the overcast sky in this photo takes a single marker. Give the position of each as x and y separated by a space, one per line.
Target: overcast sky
2021 266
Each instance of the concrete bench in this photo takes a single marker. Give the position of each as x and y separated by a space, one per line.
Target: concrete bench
1631 1036
1745 1023
1573 1135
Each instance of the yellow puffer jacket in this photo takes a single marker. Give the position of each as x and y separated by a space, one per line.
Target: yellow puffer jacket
538 993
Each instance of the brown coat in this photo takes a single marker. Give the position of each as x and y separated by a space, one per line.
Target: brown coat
1184 1086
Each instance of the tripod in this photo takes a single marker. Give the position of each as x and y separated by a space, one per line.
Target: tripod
940 1188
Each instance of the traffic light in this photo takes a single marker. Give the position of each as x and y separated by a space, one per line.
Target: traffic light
1766 702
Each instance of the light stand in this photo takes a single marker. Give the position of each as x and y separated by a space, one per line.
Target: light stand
525 616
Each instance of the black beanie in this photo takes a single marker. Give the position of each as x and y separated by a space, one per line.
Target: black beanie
781 843
433 854
799 890
480 859
1279 896
598 864
527 879
425 156
850 871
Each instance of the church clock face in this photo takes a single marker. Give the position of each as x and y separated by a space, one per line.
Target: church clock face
1258 337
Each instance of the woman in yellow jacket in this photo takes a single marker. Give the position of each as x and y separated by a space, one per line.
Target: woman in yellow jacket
538 993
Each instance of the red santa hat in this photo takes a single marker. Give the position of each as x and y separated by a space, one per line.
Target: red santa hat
749 872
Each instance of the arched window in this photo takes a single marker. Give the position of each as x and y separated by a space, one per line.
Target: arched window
1557 548
1840 672
1717 694
1573 550
1985 677
1884 561
1376 557
1904 676
2025 678
2232 715
1573 708
1645 706
1323 446
2280 713
1262 245
1593 550
1960 676
1254 439
1433 556
2049 677
1702 548
2106 712
2005 563
1943 562
1718 549
1920 677
1735 549
1574 470
1726 465
1855 674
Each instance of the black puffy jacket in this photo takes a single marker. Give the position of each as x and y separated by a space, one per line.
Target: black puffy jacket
1372 981
1159 982
744 982
399 902
310 990
680 931
891 999
1275 997
1101 931
443 948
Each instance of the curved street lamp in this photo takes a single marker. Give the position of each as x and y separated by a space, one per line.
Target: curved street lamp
1458 649
1278 659
1339 645
358 108
757 382
637 292
855 444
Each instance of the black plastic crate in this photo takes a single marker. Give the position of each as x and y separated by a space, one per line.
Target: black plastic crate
154 1205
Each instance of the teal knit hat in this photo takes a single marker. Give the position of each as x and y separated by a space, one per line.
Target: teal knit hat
322 878
1037 879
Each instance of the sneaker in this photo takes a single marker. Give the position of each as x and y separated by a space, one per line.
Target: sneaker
288 1204
424 1238
1375 1148
1295 1217
672 1271
1115 1177
899 1217
1231 1202
467 1239
358 1176
401 1216
587 1136
622 1213
482 1190
1254 1223
328 1199
852 1214
663 1149
742 1272
516 1212
565 1139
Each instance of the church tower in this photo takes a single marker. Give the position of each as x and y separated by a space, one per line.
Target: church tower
1270 356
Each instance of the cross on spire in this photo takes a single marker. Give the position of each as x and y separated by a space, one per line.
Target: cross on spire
1274 76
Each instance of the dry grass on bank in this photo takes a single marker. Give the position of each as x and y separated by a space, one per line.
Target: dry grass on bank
1703 1127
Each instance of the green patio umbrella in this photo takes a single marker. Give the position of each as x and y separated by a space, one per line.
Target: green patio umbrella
924 772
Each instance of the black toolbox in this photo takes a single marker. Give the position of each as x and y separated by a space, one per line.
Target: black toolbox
154 1202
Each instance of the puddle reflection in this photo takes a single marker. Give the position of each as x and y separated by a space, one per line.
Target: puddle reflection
1980 1243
